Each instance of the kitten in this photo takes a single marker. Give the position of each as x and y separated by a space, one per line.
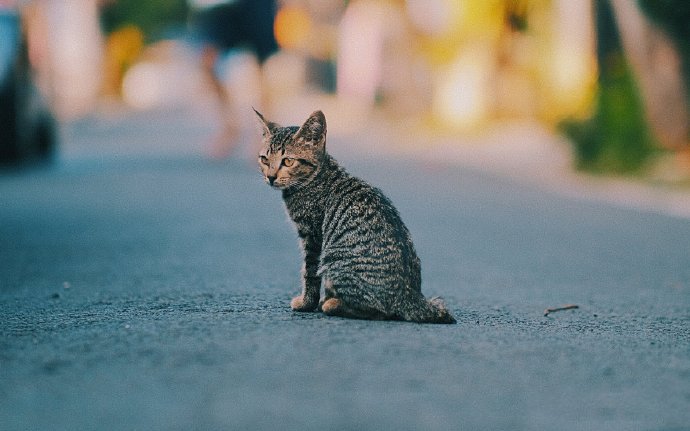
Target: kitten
351 234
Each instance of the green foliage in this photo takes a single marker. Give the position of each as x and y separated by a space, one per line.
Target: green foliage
152 17
616 139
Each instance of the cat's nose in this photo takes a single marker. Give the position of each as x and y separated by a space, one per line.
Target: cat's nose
270 179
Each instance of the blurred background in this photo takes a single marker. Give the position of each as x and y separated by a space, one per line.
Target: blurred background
595 85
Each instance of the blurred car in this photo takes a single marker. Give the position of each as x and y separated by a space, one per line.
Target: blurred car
27 126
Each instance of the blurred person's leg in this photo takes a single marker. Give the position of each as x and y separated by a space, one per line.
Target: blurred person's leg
225 140
260 36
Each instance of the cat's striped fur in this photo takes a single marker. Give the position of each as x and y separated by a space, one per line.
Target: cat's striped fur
351 234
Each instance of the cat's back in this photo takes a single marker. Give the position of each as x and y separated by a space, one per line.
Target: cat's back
363 232
351 201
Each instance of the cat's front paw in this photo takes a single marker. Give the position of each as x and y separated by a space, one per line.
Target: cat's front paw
299 303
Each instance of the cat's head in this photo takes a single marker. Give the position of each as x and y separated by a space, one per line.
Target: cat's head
292 156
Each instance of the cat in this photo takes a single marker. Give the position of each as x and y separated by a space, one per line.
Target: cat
351 234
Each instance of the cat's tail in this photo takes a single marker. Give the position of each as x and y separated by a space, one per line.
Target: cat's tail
428 311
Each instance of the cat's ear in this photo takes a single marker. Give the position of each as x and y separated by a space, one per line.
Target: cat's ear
313 131
267 127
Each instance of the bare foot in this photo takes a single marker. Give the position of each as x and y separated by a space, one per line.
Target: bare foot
224 143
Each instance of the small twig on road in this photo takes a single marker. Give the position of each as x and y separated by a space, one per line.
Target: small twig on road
565 307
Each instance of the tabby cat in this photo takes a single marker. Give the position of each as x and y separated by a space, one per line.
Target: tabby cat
351 234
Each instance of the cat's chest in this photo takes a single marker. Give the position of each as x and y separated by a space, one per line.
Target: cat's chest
306 212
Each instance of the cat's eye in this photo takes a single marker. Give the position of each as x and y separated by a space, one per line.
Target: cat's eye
263 159
288 161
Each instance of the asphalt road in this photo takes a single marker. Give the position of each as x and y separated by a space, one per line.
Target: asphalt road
152 293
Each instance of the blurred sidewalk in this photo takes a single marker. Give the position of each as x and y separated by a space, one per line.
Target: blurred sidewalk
530 153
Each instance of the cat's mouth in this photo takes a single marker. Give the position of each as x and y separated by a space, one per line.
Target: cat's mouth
274 183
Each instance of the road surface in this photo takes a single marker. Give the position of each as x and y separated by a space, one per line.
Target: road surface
150 290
